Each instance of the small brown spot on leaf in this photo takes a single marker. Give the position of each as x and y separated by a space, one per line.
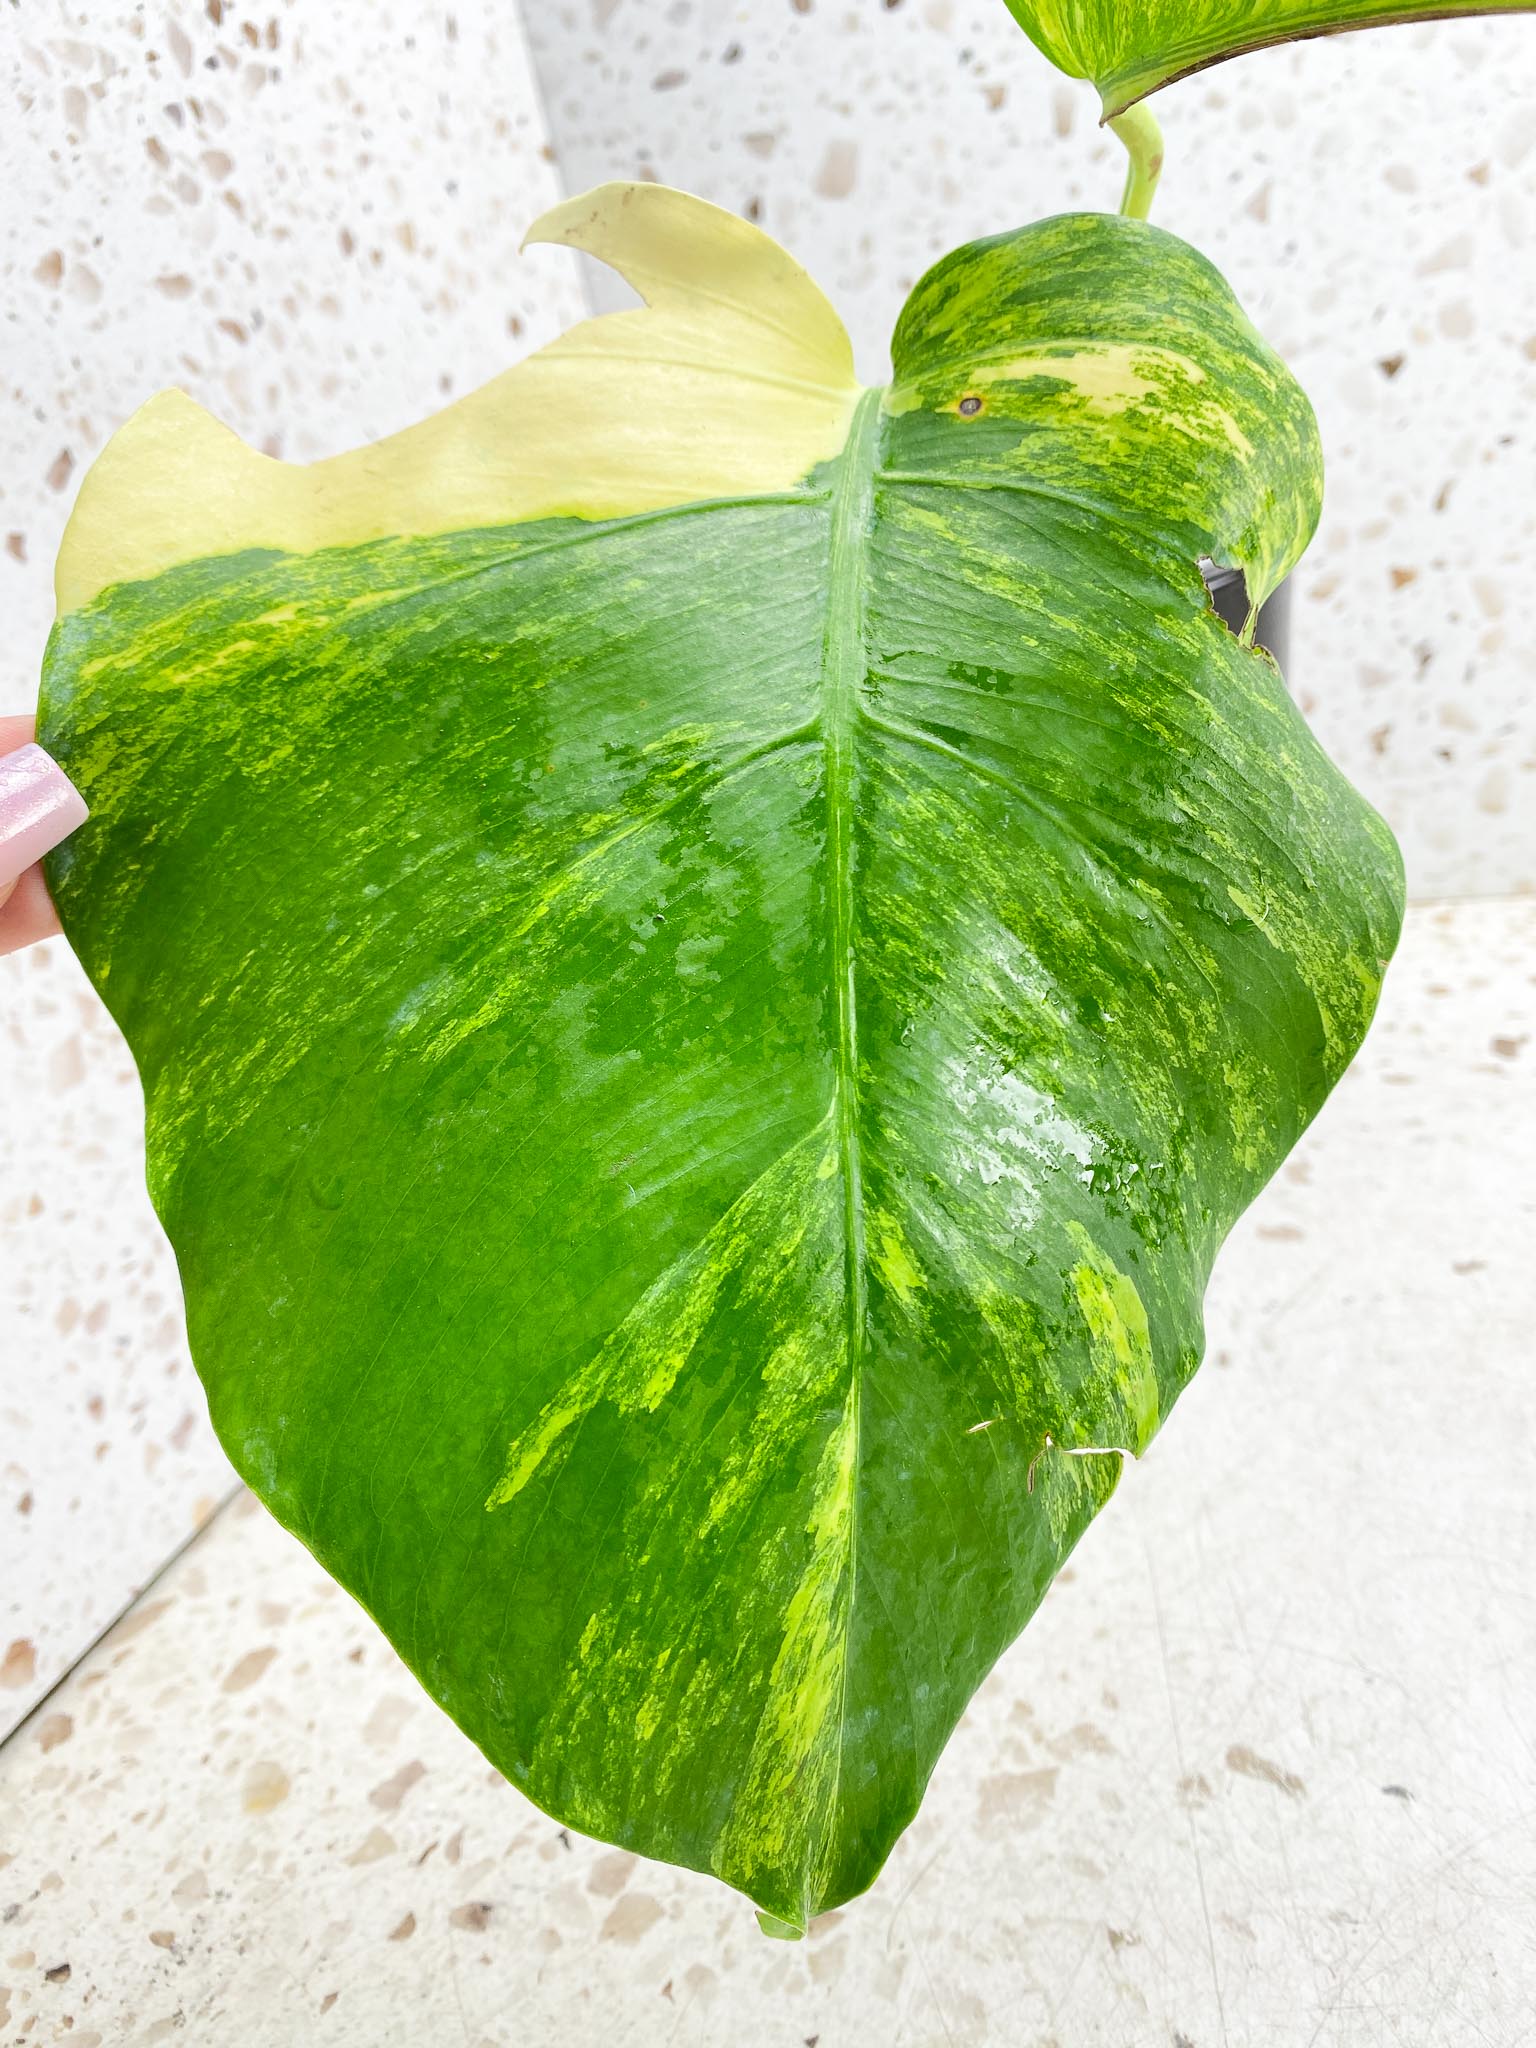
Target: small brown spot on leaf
474 1916
59 1974
969 406
54 1729
1390 365
1401 578
162 1937
405 1930
16 546
1508 1048
60 469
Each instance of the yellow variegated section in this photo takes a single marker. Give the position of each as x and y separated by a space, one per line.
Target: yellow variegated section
1120 1344
735 377
755 1246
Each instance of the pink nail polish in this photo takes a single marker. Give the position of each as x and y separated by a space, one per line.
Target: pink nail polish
39 806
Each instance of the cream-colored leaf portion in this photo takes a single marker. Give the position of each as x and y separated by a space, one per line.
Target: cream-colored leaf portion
735 378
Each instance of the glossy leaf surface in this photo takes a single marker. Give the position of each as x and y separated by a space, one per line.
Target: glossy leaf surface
1131 47
701 1035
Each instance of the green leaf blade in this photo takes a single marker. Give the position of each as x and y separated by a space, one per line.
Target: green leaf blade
696 1063
1129 48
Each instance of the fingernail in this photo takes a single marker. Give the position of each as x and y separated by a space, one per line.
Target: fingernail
39 806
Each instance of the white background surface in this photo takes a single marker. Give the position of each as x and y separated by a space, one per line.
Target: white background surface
1327 1564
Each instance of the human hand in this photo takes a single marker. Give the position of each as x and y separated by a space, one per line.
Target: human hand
39 806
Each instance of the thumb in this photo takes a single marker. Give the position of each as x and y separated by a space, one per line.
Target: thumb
39 806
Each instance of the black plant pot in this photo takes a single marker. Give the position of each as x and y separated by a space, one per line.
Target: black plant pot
1229 594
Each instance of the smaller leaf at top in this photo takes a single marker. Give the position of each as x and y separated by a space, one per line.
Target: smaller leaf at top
1131 47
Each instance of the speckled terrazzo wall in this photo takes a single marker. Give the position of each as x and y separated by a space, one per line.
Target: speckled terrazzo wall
1373 199
315 231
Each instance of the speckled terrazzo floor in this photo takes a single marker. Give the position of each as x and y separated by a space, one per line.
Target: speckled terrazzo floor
1262 1772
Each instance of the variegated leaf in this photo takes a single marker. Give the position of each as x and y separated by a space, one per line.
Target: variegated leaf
1131 47
712 956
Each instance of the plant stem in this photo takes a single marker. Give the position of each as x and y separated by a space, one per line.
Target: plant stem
1137 128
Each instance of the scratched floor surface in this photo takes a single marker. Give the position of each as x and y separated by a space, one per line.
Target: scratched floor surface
1262 1772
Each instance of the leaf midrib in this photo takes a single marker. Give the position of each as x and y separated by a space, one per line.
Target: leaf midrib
843 663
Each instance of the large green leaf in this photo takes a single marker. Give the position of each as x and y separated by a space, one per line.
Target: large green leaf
712 957
1131 47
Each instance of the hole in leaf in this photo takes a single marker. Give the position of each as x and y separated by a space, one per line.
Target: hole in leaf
1228 590
1228 593
969 406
